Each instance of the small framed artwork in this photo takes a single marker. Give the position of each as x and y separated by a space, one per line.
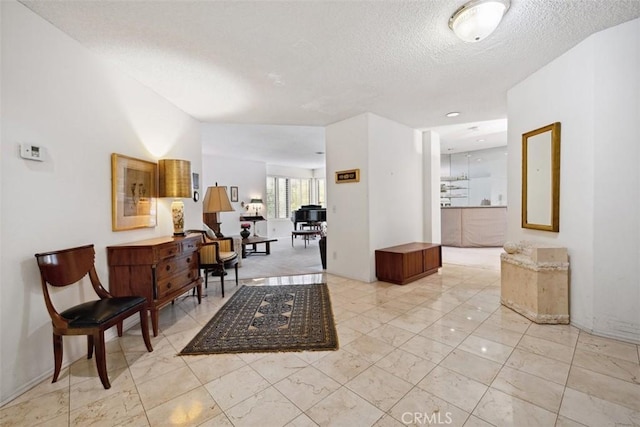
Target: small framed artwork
134 193
234 194
351 175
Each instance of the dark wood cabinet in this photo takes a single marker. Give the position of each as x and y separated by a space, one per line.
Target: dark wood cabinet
405 263
159 269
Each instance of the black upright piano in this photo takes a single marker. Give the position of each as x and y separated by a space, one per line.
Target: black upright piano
309 215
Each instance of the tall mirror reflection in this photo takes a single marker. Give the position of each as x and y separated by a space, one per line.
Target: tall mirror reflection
541 178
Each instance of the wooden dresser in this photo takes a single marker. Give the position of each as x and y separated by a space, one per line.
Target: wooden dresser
159 269
405 263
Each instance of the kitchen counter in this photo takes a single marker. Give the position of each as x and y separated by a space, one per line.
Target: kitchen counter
474 226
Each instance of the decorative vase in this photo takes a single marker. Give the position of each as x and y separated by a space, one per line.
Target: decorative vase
245 233
510 247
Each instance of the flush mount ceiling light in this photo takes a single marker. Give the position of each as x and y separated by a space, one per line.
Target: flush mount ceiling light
453 114
477 19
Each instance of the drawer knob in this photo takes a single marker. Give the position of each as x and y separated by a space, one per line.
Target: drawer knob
188 260
168 267
169 285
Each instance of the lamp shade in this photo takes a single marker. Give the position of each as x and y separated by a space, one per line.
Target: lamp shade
216 200
477 19
175 178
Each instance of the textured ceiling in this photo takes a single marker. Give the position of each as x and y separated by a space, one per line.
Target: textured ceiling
312 63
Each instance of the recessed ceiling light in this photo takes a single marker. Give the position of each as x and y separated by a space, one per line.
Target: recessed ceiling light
453 114
480 140
473 128
319 152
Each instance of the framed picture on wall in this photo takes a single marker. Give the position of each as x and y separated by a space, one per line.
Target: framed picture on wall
234 194
134 193
351 175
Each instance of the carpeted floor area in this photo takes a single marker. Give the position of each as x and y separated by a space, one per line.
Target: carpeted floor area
284 260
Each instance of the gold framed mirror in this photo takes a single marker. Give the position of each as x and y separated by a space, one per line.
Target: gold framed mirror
541 178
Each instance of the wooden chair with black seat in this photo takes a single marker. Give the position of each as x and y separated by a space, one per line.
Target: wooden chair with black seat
70 266
215 256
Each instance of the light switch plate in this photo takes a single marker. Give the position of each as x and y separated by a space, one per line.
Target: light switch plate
32 152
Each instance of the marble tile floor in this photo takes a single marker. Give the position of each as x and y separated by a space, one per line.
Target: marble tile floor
440 350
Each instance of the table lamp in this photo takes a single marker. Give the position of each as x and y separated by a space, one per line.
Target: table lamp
257 203
175 181
216 201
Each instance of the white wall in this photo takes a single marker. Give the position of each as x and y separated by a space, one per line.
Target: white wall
248 176
432 218
593 91
288 171
348 204
58 95
385 207
395 186
617 181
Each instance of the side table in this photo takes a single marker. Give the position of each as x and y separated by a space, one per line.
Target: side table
249 245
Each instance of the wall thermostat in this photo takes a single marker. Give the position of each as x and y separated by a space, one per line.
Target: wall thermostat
32 152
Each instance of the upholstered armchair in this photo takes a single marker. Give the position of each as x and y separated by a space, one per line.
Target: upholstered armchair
216 256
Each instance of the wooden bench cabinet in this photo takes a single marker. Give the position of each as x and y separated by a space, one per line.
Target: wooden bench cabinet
159 269
405 263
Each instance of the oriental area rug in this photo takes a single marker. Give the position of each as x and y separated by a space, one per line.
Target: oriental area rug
270 319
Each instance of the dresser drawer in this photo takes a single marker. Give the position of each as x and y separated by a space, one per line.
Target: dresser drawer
168 250
176 282
170 266
190 245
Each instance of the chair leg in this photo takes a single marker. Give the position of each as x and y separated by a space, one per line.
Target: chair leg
57 356
119 328
236 274
101 359
90 346
222 283
144 324
193 292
